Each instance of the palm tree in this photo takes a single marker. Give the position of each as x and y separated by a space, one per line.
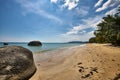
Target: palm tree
109 30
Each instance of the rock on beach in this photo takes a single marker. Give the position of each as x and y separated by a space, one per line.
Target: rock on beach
16 63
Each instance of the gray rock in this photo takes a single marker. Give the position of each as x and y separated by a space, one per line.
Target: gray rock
5 43
35 43
16 63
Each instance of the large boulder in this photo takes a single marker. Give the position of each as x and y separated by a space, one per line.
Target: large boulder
16 63
35 43
5 43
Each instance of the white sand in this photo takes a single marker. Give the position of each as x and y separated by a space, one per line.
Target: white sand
91 62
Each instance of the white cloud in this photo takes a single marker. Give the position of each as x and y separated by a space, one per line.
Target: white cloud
111 12
82 11
70 4
98 3
84 37
92 22
54 1
34 7
87 23
79 33
107 4
75 30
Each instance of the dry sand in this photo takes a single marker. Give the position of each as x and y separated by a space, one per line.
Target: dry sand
91 62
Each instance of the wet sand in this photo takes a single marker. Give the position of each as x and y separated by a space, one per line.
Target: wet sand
91 62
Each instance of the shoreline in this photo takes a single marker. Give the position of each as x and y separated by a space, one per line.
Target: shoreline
59 48
90 62
55 53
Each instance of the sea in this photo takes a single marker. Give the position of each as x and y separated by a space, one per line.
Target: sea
44 47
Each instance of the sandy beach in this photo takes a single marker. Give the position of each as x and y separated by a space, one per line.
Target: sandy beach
90 62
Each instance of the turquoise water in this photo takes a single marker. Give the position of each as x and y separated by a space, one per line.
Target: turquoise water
44 47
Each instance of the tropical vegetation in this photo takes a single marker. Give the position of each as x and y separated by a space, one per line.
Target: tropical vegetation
108 30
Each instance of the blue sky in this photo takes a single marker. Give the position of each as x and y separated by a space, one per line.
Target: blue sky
52 20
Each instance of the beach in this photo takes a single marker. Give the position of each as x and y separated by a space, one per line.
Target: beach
89 62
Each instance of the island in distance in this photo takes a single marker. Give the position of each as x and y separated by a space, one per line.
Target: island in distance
78 42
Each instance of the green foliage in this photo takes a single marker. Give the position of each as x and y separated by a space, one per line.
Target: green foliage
92 40
108 30
118 36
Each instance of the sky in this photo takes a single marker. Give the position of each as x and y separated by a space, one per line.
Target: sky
52 20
